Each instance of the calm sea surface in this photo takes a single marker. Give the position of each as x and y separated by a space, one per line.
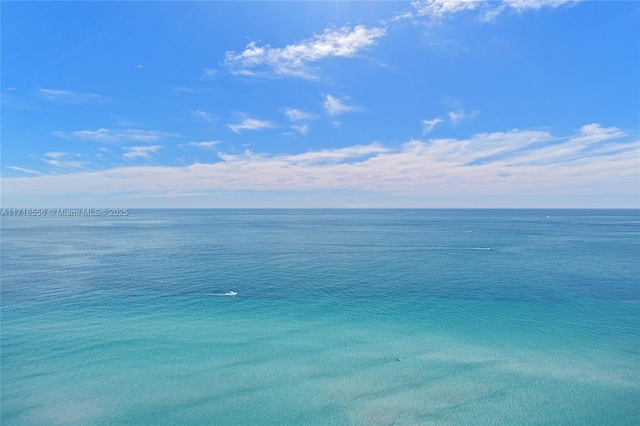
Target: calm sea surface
343 317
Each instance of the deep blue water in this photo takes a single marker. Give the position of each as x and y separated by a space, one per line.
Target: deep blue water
351 317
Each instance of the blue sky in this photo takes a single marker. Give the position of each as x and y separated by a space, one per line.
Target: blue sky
431 103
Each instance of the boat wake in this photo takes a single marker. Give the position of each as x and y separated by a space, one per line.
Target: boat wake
229 293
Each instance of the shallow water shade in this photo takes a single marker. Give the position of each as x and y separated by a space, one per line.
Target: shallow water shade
342 317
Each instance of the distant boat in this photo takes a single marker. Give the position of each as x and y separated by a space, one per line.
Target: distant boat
231 293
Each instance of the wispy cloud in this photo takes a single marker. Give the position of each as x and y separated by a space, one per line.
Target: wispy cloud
293 60
488 9
302 129
209 74
440 8
107 135
134 152
67 96
64 162
182 89
204 115
103 135
251 124
22 169
460 115
596 159
428 125
206 144
335 106
55 155
593 140
297 115
522 5
335 155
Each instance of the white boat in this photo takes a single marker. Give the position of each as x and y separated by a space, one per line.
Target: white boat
230 293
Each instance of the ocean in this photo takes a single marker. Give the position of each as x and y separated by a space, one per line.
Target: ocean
342 317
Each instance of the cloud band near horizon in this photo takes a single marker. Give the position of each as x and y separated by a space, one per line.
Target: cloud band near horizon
501 163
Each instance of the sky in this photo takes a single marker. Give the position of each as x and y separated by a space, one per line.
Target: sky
424 104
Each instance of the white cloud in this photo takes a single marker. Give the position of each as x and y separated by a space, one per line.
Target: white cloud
140 151
106 135
55 155
596 133
209 74
303 129
67 96
297 115
456 116
428 125
204 115
594 160
22 169
182 89
62 161
334 155
440 8
334 106
103 135
293 59
522 5
460 115
588 143
489 10
251 124
206 144
401 16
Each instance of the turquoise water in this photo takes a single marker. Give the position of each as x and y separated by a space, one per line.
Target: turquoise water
345 317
